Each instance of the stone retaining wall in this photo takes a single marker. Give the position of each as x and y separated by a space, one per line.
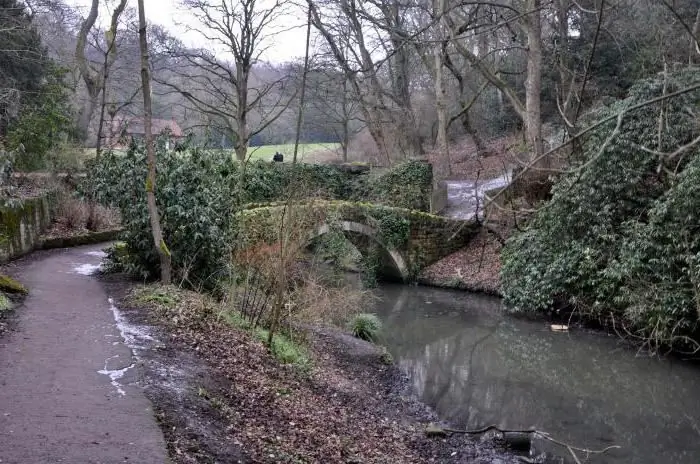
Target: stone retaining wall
21 226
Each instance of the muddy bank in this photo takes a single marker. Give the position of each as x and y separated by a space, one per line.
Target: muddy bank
221 397
474 268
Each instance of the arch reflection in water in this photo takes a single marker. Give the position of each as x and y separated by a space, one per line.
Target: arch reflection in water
477 367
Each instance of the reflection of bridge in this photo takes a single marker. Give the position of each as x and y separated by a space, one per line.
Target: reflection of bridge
407 240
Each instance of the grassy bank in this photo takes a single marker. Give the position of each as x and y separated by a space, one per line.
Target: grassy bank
245 402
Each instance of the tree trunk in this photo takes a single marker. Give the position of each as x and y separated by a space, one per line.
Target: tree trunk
345 141
305 72
103 104
161 247
566 77
242 134
408 136
443 166
95 82
86 113
694 48
533 85
479 143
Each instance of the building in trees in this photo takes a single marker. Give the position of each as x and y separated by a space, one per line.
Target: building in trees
124 129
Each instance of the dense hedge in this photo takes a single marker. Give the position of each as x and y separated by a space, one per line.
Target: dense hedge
619 239
199 191
196 194
406 185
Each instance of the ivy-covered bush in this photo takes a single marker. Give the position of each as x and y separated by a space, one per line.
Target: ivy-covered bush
406 185
195 192
266 182
618 236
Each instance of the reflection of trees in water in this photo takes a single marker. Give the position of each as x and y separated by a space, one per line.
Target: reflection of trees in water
478 371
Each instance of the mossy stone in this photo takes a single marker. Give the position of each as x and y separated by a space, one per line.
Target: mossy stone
10 285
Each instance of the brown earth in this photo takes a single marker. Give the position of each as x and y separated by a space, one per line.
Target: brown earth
475 268
222 397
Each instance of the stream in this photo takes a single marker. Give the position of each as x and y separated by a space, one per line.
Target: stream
466 197
477 367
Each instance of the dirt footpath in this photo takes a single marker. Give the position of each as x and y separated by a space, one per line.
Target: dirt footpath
67 379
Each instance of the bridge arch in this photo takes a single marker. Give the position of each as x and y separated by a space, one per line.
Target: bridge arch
363 229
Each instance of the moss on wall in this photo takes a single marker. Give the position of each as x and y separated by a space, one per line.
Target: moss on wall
21 225
420 237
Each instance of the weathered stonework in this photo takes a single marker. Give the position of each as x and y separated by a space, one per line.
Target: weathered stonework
429 237
21 226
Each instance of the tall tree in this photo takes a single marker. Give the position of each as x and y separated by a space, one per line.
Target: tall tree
443 161
464 35
158 241
354 33
95 76
23 60
302 93
219 81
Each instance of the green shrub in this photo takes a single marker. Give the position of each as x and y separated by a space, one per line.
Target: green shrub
366 326
618 237
196 194
5 303
406 185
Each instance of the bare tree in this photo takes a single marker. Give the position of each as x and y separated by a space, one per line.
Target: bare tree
443 165
158 241
220 82
527 16
354 31
95 76
304 74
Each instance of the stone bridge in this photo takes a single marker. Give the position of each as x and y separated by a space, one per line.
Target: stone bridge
407 240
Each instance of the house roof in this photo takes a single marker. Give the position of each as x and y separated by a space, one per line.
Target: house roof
135 126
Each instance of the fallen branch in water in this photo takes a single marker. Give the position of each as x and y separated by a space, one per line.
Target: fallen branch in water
434 430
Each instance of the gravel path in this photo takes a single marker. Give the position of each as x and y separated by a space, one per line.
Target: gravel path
68 391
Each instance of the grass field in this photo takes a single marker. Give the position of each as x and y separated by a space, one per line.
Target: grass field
308 152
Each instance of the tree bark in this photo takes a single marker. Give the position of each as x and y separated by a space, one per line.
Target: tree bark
91 83
443 159
109 58
95 82
464 105
158 241
305 72
533 84
371 101
694 48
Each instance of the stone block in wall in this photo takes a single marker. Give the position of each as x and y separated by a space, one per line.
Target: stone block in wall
21 225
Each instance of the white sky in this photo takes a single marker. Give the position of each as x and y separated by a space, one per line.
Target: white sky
285 46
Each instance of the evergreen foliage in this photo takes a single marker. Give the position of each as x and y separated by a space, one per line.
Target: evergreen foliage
618 238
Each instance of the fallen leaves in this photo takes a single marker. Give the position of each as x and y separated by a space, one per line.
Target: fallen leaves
474 268
348 408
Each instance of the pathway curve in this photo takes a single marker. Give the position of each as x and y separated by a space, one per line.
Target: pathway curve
67 379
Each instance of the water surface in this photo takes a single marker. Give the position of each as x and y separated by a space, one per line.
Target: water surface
477 367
